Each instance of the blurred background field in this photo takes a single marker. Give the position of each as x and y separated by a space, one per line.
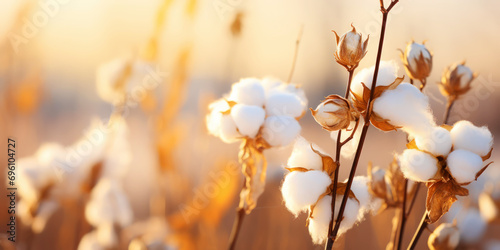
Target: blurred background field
48 88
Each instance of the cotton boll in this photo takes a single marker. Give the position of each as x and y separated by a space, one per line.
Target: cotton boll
438 142
302 189
444 233
471 225
213 119
387 74
487 207
106 235
407 107
360 189
464 165
228 130
248 91
284 104
304 157
417 165
280 130
295 90
89 242
349 149
248 119
465 135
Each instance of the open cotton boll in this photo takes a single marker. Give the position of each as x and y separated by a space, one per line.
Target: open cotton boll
471 225
228 130
302 189
464 165
90 242
280 130
213 119
248 119
304 157
296 90
466 136
387 73
284 104
360 189
349 149
248 91
438 142
407 107
106 235
417 165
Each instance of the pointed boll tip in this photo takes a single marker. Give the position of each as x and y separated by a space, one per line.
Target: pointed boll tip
353 28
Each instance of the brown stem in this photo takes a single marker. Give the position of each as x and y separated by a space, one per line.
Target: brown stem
240 215
403 215
395 226
449 105
423 82
297 43
366 124
413 199
421 227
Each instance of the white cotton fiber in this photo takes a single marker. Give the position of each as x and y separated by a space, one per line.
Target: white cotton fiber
387 73
284 104
417 165
248 91
464 165
360 189
407 107
213 119
280 130
228 130
487 207
466 136
302 189
304 157
437 142
349 149
90 242
248 119
471 226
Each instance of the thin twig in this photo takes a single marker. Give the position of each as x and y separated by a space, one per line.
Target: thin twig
403 215
449 105
421 227
414 198
240 215
297 43
366 124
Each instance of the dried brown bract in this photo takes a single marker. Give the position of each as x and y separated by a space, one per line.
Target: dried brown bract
350 49
417 61
335 113
456 80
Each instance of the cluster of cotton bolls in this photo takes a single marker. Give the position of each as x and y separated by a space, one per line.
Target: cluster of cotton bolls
265 109
461 151
307 188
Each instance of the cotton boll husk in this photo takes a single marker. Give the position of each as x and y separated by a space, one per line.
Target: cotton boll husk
318 225
280 130
387 73
302 189
464 165
304 157
438 142
248 119
478 140
407 107
417 165
228 130
106 235
284 104
89 242
349 149
471 225
248 91
487 207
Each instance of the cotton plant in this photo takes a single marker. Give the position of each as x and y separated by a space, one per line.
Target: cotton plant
309 187
260 114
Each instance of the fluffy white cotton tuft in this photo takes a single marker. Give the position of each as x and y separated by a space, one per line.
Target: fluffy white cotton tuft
302 189
349 149
466 136
228 130
444 233
248 91
248 119
303 157
284 104
280 130
407 107
213 119
360 189
387 73
437 142
464 165
417 165
471 226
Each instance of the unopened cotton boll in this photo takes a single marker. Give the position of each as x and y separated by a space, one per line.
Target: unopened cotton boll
417 165
304 157
464 165
248 91
407 107
466 136
445 234
284 104
471 226
438 142
280 130
417 61
387 74
248 119
302 189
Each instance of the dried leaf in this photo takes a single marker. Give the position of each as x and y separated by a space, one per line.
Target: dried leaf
381 123
440 196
